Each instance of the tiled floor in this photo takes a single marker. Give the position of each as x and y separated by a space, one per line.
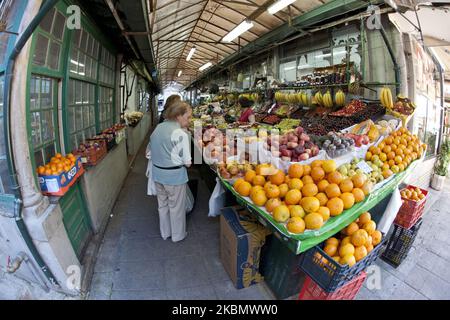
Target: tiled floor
134 262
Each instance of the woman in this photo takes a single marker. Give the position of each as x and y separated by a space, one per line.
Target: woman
171 99
247 114
170 154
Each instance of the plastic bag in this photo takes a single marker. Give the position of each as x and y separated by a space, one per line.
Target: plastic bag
151 186
189 199
390 212
217 200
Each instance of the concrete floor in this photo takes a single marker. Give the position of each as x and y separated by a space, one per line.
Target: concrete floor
134 262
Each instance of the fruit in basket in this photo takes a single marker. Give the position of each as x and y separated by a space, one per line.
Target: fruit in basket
324 212
332 190
277 178
346 249
296 211
340 98
336 206
295 170
310 204
359 238
259 198
386 98
346 185
376 237
284 188
313 221
296 225
271 204
281 213
322 185
370 227
348 259
358 194
414 194
293 197
295 183
348 199
317 173
323 199
309 190
244 188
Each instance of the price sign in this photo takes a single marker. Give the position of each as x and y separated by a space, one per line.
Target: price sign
364 167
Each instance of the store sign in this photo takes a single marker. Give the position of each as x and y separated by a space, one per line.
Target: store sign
364 167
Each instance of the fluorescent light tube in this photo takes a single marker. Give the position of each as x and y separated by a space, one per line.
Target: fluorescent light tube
289 68
279 5
191 53
236 32
205 66
179 73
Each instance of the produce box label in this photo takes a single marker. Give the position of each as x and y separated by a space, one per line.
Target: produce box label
364 167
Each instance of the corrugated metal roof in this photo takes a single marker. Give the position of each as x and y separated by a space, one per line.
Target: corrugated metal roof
178 25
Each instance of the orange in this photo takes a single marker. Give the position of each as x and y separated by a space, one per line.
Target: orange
296 225
307 179
387 173
271 204
332 241
323 199
370 227
317 173
368 156
346 249
388 140
385 166
313 221
281 213
358 194
376 237
324 212
322 185
387 149
249 175
367 187
244 189
336 206
398 159
296 211
306 170
58 155
316 163
54 159
359 238
330 250
259 198
293 196
346 185
348 260
310 204
348 199
332 190
295 171
383 156
284 188
351 229
309 190
335 177
295 183
287 179
391 155
329 166
258 180
48 172
272 191
358 180
345 241
41 170
360 253
277 178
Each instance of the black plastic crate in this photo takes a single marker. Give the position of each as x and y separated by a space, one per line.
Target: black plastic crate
399 244
329 274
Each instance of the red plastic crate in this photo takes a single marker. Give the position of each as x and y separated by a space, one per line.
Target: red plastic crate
410 211
312 291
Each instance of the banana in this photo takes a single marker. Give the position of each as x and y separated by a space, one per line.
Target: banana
319 98
327 101
386 98
340 98
304 98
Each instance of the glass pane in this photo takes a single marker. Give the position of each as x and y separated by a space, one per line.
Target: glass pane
78 118
49 152
73 61
339 54
83 41
47 126
36 128
76 37
81 64
88 67
71 95
53 57
46 93
92 94
94 70
46 23
34 93
71 119
92 115
288 71
86 116
38 158
40 51
85 93
90 45
78 93
59 26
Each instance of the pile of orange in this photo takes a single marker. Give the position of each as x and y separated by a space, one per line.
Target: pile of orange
357 240
309 193
57 165
396 151
414 194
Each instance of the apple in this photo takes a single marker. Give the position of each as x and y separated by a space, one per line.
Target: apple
286 159
301 143
308 151
304 156
292 145
299 131
304 137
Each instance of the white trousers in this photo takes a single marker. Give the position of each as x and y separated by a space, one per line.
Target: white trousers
172 211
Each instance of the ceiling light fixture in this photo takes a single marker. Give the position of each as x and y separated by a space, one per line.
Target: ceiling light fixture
240 29
205 66
179 73
191 53
279 5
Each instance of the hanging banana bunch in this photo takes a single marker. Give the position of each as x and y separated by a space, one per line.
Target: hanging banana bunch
319 98
340 98
386 98
304 99
327 100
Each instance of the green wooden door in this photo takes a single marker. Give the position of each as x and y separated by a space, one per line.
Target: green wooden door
76 219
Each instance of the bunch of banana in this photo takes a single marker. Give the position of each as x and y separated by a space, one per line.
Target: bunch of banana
304 99
280 97
340 98
327 100
299 97
292 98
386 98
319 98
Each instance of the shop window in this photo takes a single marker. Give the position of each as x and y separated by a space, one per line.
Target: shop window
288 71
81 112
83 55
43 123
105 107
47 52
427 123
106 69
8 11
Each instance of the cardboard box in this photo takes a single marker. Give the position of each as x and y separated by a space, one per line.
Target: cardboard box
58 185
241 239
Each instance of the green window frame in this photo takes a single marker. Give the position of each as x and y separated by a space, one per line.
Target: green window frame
84 55
43 118
105 107
106 72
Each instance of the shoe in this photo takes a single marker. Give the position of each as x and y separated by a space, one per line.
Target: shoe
180 239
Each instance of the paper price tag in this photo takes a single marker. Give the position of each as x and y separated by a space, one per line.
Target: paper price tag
364 167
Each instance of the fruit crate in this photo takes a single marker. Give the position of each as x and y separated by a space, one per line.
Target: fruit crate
58 185
92 157
400 243
410 211
329 274
312 291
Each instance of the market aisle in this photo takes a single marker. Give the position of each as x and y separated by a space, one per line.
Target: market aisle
134 262
424 273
